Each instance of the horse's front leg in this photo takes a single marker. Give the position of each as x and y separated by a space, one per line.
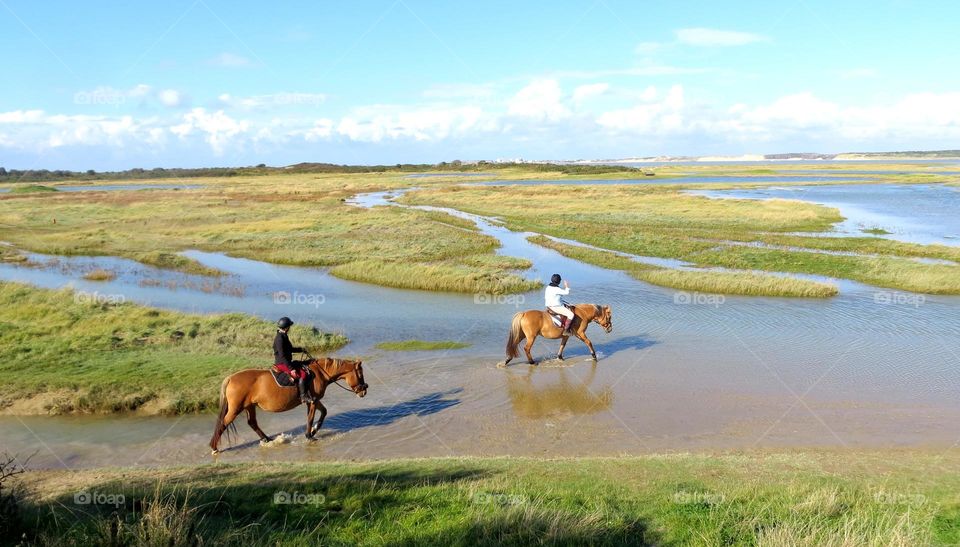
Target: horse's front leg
583 336
323 414
311 410
563 344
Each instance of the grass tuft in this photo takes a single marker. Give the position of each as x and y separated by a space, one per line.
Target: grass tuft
421 345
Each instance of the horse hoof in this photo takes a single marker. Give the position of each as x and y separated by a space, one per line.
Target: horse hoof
501 364
214 452
594 356
559 357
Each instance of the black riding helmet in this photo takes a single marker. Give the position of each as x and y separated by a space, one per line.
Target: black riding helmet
284 323
555 280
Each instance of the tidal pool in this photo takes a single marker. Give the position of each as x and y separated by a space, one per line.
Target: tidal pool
915 213
868 368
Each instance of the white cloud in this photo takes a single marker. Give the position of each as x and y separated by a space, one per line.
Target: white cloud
650 115
273 100
170 97
708 37
219 129
230 60
586 91
540 100
375 124
542 109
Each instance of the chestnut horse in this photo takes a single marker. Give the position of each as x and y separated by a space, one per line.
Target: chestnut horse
248 389
532 323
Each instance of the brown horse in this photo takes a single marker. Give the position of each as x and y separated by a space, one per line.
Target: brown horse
532 323
248 389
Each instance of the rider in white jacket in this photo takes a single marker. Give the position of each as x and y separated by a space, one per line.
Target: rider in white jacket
554 303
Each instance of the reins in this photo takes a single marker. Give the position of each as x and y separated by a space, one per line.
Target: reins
323 373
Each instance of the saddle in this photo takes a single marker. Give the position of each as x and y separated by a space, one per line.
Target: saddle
556 317
283 379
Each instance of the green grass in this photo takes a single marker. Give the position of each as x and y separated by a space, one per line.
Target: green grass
663 221
747 284
798 499
877 231
32 189
66 352
297 219
421 345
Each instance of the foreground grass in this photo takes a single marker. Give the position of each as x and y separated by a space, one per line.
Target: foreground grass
60 353
297 219
421 345
663 221
747 284
802 499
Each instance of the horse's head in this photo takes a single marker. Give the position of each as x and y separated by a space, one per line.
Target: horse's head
352 372
604 318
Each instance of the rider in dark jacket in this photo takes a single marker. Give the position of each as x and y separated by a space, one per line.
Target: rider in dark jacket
283 352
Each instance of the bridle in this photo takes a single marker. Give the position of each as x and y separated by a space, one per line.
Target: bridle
329 379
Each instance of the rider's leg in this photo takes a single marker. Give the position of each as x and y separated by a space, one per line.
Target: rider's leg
302 388
567 313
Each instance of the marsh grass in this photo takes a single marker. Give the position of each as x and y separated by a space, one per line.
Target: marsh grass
32 189
298 219
88 356
421 345
662 221
100 275
739 283
806 499
447 276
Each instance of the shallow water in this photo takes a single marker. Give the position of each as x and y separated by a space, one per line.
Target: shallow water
868 368
118 187
915 213
695 179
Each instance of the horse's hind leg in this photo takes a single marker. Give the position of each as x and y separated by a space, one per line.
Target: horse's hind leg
252 421
527 347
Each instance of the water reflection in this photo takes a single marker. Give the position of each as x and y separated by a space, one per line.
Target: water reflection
550 392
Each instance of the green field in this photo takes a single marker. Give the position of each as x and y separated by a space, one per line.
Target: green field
66 352
848 498
300 217
663 221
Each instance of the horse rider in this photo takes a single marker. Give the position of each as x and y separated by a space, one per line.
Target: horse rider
283 357
555 304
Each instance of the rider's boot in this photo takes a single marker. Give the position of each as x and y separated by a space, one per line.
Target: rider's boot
305 397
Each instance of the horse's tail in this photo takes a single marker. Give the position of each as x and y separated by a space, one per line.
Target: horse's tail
516 334
220 428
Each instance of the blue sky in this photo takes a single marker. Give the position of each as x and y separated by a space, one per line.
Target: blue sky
114 85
